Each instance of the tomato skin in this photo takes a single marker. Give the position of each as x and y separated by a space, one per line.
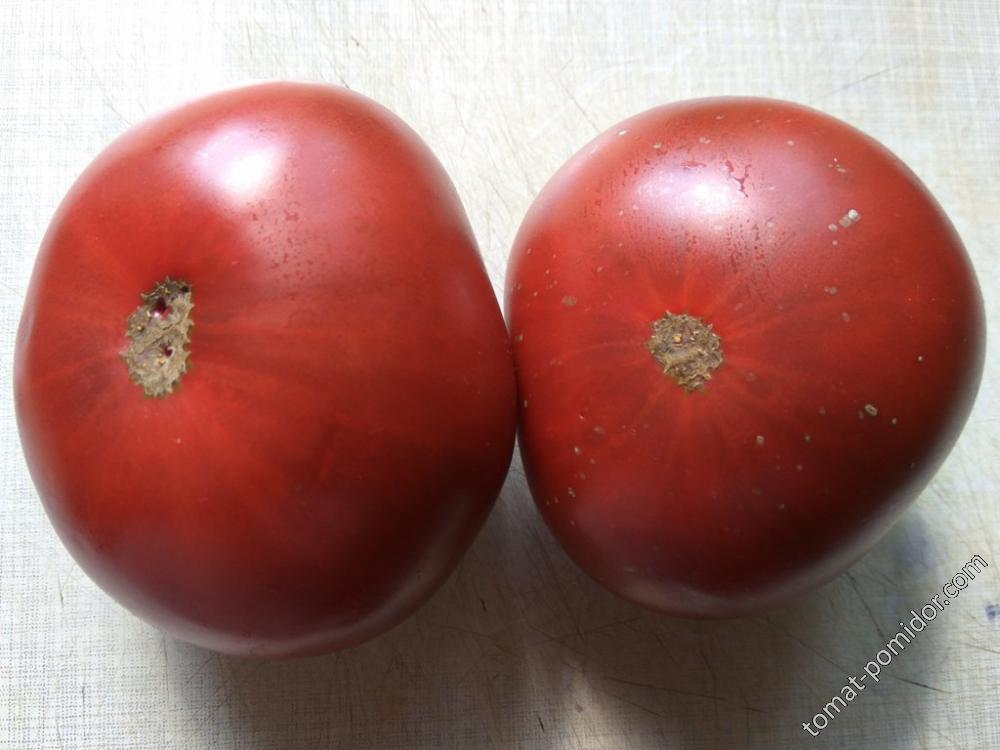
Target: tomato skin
349 413
852 331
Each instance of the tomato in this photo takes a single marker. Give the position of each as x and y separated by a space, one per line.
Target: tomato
262 381
745 337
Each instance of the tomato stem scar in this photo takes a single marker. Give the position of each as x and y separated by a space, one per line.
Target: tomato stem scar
686 348
159 330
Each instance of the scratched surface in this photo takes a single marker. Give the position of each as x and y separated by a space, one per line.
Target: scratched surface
518 649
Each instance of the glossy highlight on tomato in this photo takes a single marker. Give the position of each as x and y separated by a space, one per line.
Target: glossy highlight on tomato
746 336
262 381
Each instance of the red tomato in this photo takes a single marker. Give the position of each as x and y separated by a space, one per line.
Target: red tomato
322 444
745 336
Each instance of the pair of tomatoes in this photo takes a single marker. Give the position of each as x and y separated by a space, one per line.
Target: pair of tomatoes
268 398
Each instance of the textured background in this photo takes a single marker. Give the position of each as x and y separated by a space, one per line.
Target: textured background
518 649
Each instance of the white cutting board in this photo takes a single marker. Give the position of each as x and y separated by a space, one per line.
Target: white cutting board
518 649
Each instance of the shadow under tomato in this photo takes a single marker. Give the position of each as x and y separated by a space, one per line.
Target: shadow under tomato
751 682
520 648
446 677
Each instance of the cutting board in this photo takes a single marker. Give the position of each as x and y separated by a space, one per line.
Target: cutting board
518 649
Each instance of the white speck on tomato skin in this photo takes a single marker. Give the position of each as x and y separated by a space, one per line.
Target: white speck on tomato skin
830 289
569 300
760 440
703 139
871 410
846 317
853 216
832 227
790 142
798 467
920 358
807 438
577 450
571 492
622 132
657 145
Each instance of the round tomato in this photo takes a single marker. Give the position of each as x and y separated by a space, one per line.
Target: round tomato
262 381
745 337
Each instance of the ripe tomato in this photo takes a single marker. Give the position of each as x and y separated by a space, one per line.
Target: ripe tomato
302 466
745 338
